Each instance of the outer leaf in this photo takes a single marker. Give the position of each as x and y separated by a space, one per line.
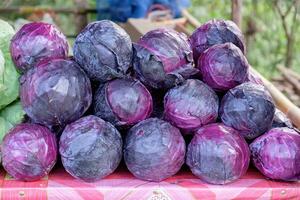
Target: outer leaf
2 62
6 29
10 116
13 113
4 127
9 84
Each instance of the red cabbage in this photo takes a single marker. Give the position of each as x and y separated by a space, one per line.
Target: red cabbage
191 105
29 152
215 32
104 50
162 58
123 102
90 148
223 66
276 154
35 42
218 154
154 150
249 108
55 92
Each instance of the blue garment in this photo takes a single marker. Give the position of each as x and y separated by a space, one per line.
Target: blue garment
121 10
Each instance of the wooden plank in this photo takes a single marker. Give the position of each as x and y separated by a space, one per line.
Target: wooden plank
138 27
236 13
181 28
190 18
81 19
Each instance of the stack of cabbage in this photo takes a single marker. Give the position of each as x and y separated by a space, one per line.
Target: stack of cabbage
160 93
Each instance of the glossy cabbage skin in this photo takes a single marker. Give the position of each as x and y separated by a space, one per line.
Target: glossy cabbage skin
55 92
90 148
104 50
123 102
35 42
29 152
276 154
248 108
218 154
281 120
162 58
154 150
254 78
215 32
191 105
223 66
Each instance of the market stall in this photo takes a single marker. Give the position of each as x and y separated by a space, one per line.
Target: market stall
169 116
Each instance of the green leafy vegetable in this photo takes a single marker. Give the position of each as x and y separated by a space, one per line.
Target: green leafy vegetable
10 116
6 29
9 77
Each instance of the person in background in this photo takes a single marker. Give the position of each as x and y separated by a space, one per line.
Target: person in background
121 10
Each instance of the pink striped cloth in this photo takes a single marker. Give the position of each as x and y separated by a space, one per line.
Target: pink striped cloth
122 185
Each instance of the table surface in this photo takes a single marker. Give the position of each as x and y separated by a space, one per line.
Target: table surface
122 185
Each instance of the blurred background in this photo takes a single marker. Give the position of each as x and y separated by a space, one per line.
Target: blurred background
271 27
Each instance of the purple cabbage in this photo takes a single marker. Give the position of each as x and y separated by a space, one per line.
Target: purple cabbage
104 50
35 42
223 66
162 58
29 152
253 78
215 32
90 148
123 102
276 154
218 154
154 150
191 105
55 92
281 120
248 108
